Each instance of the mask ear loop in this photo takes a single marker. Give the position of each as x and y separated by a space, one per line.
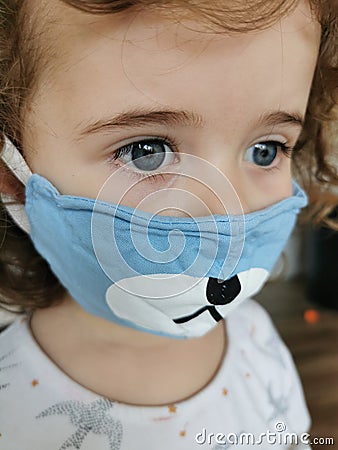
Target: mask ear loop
17 165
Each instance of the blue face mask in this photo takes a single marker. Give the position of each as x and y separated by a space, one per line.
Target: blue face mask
165 275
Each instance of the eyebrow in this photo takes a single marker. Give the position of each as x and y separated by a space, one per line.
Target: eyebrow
143 117
281 118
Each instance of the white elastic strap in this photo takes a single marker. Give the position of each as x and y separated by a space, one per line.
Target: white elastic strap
17 165
15 162
17 212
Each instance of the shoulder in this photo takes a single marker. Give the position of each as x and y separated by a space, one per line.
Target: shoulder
12 337
253 333
15 343
24 368
32 387
251 325
250 312
258 348
13 333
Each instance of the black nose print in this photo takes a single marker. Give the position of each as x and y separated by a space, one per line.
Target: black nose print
223 292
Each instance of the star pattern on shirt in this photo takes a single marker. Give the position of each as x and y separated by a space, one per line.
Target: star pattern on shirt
274 344
88 418
279 404
222 446
235 437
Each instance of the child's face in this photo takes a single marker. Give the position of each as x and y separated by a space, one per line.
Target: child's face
110 65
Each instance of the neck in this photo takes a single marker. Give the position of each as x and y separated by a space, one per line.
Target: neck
119 362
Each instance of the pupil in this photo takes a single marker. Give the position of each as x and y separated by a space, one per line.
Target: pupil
264 154
148 156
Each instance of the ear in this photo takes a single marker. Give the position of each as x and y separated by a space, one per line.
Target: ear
10 185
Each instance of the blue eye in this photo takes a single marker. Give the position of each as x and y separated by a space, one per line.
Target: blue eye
264 153
146 155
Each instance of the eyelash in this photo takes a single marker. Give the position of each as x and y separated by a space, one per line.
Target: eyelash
151 177
167 140
287 151
174 145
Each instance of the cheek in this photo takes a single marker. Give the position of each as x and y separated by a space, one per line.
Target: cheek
264 189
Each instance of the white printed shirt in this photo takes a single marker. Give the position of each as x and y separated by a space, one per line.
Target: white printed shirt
255 392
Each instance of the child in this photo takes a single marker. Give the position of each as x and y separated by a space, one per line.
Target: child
159 136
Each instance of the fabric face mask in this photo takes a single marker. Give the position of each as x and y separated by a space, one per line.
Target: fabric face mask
169 276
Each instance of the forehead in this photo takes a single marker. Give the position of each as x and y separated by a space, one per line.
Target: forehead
106 63
68 26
